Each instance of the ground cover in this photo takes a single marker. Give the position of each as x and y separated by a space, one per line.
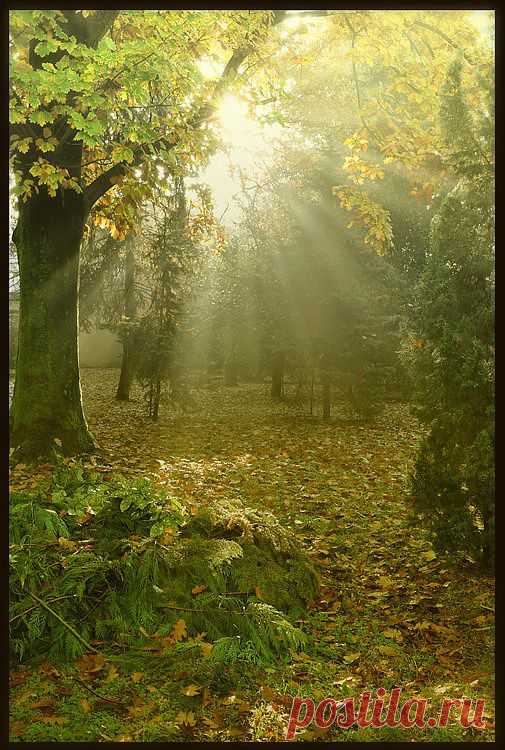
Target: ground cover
390 611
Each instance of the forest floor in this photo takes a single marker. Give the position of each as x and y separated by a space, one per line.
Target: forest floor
391 612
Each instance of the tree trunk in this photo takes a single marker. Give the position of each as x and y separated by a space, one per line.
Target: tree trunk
324 365
326 396
126 376
230 372
278 360
47 405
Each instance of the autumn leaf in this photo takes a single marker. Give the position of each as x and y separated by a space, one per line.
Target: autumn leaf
67 543
137 676
186 718
112 673
141 708
394 634
44 703
85 705
429 555
191 690
385 582
350 658
55 720
17 728
387 650
198 589
179 631
48 669
237 731
91 663
206 648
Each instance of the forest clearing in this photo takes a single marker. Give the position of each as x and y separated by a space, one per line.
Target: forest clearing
389 610
251 361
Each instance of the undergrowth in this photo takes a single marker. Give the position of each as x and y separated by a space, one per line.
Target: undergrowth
115 560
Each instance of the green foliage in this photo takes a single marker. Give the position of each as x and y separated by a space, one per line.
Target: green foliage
452 348
114 557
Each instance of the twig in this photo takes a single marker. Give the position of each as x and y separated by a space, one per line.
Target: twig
68 596
102 697
216 609
63 622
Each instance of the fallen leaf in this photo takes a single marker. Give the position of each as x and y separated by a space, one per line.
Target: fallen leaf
394 634
429 555
49 670
44 703
112 673
387 650
179 631
186 718
140 708
350 658
191 690
198 589
137 676
59 720
385 582
17 728
206 648
91 663
85 705
17 678
64 691
237 731
67 543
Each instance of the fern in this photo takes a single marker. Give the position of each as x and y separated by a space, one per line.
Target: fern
125 580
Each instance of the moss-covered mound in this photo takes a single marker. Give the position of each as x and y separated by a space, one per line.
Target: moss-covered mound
117 560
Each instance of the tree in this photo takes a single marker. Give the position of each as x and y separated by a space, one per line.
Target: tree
130 308
452 339
99 100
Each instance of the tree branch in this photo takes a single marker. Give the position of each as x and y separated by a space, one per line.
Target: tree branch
104 182
443 36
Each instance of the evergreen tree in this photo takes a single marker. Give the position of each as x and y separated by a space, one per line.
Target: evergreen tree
453 348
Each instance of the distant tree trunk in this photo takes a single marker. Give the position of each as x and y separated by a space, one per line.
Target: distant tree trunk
230 372
47 404
326 396
326 382
278 362
126 376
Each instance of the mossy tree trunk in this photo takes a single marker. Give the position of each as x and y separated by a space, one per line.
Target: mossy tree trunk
47 403
130 308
